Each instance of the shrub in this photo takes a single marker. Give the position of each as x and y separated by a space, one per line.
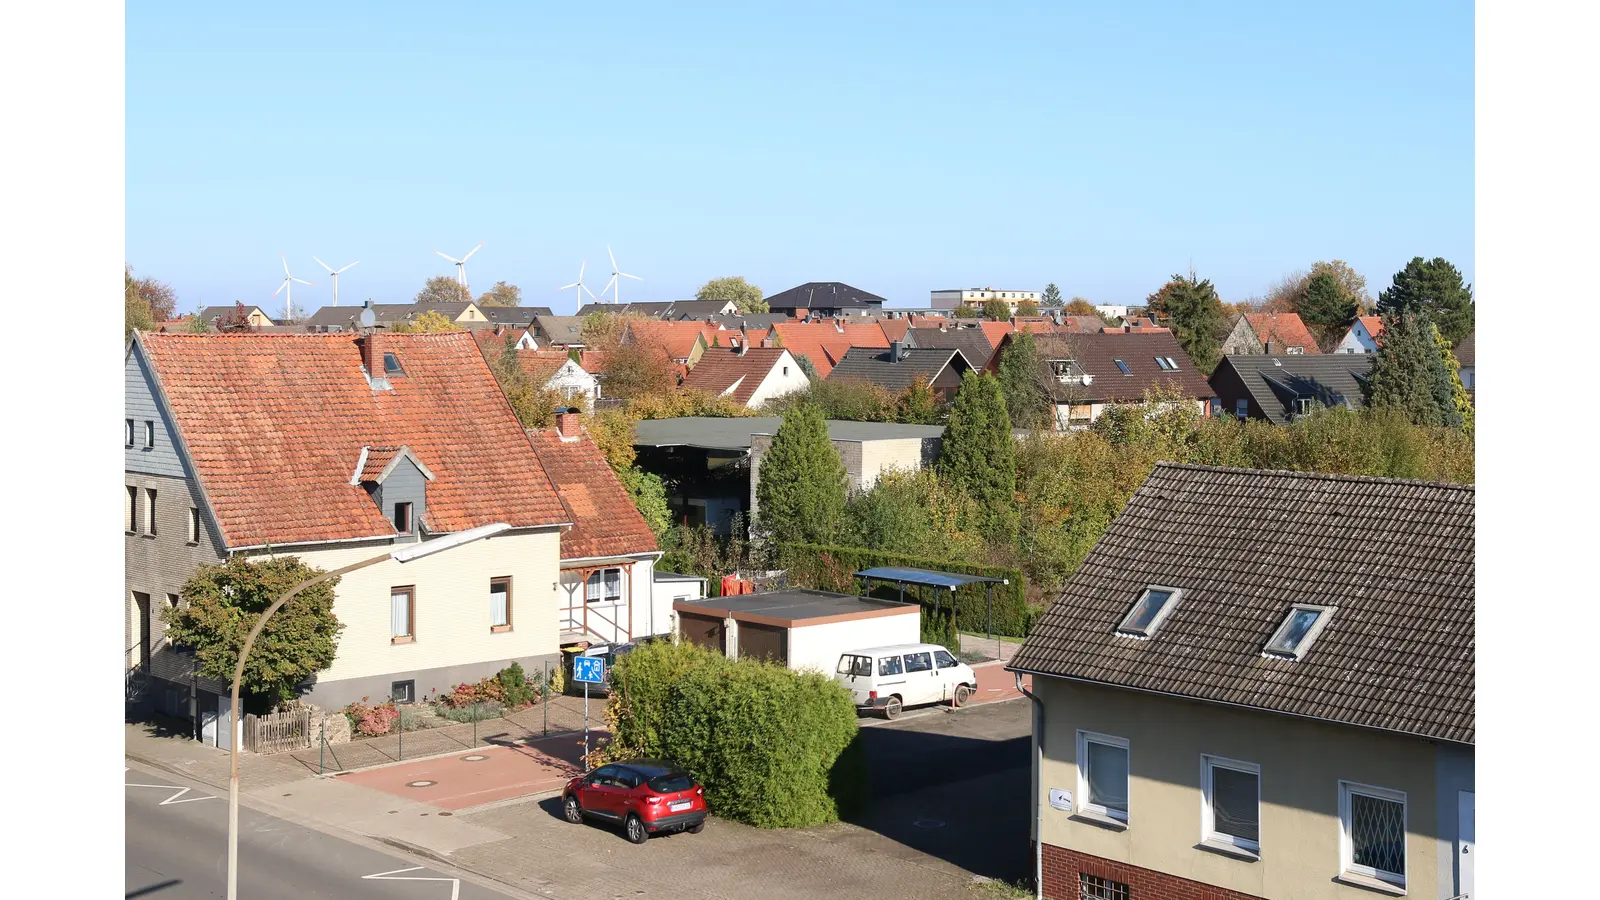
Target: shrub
509 687
372 720
475 712
940 628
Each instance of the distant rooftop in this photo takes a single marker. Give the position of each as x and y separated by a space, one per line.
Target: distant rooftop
734 433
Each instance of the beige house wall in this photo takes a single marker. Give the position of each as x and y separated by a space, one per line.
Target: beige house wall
1302 763
877 457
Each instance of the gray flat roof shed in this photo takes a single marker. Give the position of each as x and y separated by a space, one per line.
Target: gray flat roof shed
734 433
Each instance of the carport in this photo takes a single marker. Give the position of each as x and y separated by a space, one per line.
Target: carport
927 578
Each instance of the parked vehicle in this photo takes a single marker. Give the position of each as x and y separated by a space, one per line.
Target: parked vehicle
888 679
644 796
610 653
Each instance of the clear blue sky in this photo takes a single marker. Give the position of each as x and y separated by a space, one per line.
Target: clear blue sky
1099 146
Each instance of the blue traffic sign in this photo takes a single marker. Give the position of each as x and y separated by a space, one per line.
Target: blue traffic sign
588 669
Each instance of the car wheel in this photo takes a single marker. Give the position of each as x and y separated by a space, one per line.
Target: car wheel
891 709
963 695
635 830
572 810
697 827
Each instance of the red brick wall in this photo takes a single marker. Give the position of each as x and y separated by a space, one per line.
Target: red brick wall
1062 866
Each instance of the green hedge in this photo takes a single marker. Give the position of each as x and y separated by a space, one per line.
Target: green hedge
773 748
829 568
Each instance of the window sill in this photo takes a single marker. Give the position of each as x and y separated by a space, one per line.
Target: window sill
1226 849
1370 883
402 640
1104 821
150 536
499 629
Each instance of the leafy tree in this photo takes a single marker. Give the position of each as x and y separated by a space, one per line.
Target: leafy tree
534 404
1021 378
802 480
978 456
157 295
502 294
996 309
1412 373
747 296
806 366
427 323
918 404
965 311
1027 308
1327 308
136 314
649 496
1196 316
194 324
601 328
1052 295
442 289
1433 287
1081 307
222 602
1351 283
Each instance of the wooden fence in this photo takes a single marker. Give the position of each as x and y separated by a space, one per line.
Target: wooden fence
289 729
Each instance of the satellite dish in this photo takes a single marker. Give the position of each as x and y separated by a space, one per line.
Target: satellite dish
367 319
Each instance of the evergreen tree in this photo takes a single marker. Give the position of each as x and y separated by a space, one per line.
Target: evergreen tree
978 456
918 405
1022 384
1052 295
800 492
806 366
1412 374
1196 317
1433 287
1326 307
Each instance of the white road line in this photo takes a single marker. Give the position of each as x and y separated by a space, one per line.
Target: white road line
455 883
174 798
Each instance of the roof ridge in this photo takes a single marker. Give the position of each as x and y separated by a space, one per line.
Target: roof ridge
1316 476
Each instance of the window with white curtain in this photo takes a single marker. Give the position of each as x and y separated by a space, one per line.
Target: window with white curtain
1103 776
402 612
605 586
500 603
1231 803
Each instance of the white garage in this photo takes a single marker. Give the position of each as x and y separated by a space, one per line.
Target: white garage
800 628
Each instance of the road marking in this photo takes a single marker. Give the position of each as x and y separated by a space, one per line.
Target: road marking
455 883
174 798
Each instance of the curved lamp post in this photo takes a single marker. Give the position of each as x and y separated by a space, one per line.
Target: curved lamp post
402 555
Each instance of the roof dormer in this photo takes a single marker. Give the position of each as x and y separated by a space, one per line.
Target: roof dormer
397 481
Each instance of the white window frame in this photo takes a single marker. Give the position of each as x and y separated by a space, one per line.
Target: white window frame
128 431
149 434
1347 865
1086 809
1299 653
150 511
1126 630
1209 835
194 524
600 598
1171 363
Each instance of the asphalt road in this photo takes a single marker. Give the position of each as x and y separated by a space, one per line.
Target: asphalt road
177 845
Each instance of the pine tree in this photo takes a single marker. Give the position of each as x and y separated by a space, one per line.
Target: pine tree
1195 312
1326 307
800 492
978 456
1052 296
1412 372
1021 382
1433 287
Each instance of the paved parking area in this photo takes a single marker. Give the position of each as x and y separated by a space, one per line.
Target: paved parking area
485 775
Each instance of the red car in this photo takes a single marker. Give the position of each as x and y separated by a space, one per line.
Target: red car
644 796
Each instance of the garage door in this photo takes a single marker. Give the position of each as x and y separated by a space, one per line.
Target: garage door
705 631
763 642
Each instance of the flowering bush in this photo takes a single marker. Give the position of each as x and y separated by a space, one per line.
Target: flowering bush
372 720
509 687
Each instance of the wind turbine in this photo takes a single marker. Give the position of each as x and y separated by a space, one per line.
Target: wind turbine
461 268
580 285
335 273
615 286
287 289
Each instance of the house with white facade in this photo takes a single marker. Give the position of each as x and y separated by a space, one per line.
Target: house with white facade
749 375
1362 336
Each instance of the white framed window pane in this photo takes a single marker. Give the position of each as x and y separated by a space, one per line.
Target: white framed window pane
613 584
498 608
1106 768
400 613
592 588
1378 834
1235 804
1145 612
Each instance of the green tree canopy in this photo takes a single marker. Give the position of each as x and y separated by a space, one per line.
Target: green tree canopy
136 314
735 288
221 604
1052 295
1433 287
1027 308
442 289
918 404
996 309
1412 372
801 487
978 456
1196 316
502 294
1021 378
965 311
428 322
1327 307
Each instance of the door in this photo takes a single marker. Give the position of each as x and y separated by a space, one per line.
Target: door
855 673
949 673
922 683
601 794
1466 845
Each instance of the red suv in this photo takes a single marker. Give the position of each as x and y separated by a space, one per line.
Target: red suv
645 796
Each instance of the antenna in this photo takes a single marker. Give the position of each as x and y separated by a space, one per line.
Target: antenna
461 268
614 285
582 288
335 273
287 289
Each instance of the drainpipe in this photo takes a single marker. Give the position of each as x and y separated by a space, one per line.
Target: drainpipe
1038 762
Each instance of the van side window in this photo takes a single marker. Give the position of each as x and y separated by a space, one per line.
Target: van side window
889 665
850 664
918 662
943 659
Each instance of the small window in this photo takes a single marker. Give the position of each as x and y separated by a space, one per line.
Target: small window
403 691
402 613
133 509
1170 363
402 518
786 371
149 434
127 432
150 511
1122 366
1162 363
173 600
1103 776
605 586
1296 351
919 662
850 664
1152 608
194 525
1302 406
500 604
1093 887
890 665
391 365
1241 408
1372 831
1299 629
943 659
1230 803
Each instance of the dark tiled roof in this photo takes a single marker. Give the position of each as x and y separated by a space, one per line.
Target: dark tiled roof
227 313
1097 355
824 295
972 342
559 329
513 315
659 309
1275 382
719 370
1466 351
874 365
604 520
1395 557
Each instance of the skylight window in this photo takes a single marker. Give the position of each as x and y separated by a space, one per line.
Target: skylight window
391 365
1299 630
1153 607
1170 364
1123 366
1163 364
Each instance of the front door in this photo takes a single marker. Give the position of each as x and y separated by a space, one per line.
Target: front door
1466 844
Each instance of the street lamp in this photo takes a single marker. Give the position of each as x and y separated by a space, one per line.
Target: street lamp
403 555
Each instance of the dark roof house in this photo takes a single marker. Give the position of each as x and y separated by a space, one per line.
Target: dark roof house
827 298
898 367
1113 367
1280 388
972 342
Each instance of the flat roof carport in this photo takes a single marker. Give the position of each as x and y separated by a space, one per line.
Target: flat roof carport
944 580
794 607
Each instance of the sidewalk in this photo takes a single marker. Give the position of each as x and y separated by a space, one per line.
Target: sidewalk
1004 649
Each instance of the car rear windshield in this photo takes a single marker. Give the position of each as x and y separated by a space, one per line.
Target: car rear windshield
670 783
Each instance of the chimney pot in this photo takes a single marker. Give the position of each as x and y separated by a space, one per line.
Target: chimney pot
568 422
897 351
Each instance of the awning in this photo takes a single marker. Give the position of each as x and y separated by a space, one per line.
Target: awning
926 577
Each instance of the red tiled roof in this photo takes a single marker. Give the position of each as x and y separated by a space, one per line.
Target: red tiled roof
824 343
493 340
678 338
378 458
604 520
721 369
1283 330
894 329
275 423
1374 324
542 365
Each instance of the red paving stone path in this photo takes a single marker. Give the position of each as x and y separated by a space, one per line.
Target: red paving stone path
995 683
516 770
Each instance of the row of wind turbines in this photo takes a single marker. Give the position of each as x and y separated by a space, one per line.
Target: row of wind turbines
614 286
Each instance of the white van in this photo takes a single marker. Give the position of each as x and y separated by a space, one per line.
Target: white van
890 678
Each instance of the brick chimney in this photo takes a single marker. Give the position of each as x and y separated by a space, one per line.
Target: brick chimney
1266 347
569 423
372 352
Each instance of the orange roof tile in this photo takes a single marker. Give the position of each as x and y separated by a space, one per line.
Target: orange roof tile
275 424
894 329
604 520
824 343
1374 324
677 337
720 370
542 365
1283 330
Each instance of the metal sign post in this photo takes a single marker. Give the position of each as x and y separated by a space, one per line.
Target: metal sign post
587 670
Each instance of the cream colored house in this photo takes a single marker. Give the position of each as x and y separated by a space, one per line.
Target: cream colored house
1243 694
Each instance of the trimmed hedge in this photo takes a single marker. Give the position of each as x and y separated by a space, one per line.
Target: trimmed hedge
773 748
828 568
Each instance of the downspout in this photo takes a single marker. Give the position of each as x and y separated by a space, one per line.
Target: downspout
1038 762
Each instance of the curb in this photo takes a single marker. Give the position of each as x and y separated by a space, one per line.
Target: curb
432 756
